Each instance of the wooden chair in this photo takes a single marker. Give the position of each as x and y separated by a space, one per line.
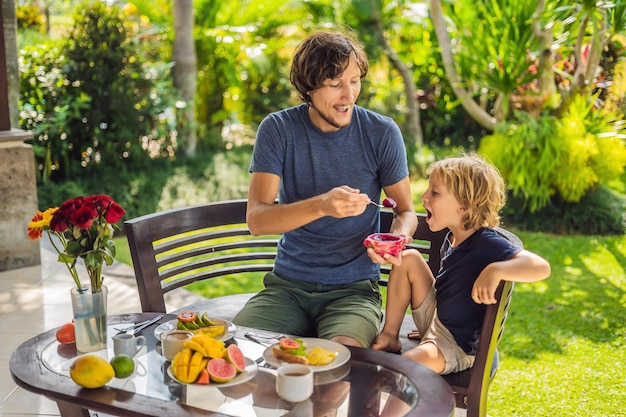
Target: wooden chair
471 386
174 248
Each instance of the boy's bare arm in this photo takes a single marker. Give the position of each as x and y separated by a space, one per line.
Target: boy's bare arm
523 267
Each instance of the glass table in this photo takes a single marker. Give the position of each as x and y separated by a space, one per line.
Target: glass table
370 383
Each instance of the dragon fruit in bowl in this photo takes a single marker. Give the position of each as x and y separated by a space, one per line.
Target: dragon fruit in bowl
384 243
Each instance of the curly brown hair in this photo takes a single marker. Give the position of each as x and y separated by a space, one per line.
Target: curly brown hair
324 55
477 186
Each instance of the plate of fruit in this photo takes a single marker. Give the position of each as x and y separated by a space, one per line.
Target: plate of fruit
198 323
207 361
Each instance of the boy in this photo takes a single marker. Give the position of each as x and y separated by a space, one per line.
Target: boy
465 195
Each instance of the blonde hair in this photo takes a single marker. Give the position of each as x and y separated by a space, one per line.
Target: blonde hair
476 185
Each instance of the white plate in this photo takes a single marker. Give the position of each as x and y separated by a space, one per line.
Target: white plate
229 333
248 373
343 354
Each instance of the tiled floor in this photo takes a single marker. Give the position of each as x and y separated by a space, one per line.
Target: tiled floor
35 299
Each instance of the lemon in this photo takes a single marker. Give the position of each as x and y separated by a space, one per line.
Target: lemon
123 365
91 371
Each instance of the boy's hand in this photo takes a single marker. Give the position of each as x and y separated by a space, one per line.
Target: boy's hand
386 259
484 289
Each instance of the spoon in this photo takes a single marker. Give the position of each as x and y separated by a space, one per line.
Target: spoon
387 202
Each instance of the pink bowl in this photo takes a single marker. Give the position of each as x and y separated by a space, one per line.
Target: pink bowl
385 243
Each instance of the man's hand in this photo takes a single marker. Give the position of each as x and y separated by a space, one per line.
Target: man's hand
344 201
387 343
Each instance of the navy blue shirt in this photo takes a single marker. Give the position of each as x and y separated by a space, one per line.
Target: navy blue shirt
460 267
368 154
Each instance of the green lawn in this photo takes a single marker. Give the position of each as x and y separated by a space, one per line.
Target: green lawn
564 348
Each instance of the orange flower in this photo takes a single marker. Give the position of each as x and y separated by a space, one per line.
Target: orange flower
40 222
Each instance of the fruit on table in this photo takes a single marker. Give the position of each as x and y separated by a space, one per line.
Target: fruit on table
187 316
123 365
187 364
288 344
208 346
203 378
190 320
220 370
234 356
91 371
65 334
205 358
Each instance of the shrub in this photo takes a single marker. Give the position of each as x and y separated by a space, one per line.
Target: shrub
547 159
599 212
528 156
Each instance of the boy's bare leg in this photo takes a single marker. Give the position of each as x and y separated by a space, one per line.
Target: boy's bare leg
427 354
409 282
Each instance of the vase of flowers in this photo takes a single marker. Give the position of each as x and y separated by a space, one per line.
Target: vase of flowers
82 228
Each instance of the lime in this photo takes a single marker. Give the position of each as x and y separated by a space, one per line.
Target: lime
123 365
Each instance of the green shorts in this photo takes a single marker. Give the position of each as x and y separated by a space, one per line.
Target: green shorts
315 310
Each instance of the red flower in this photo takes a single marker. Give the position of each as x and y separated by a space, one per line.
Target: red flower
101 202
60 222
84 216
114 213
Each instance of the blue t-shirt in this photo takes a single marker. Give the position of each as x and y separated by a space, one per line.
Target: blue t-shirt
460 267
368 154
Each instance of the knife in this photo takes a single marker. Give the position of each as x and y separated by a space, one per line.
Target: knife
138 330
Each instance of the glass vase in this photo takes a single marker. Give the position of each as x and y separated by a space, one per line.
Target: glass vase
90 318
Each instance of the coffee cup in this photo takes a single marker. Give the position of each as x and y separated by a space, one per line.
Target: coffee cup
173 342
127 344
294 382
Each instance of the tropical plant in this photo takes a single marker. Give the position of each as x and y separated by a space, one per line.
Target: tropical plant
546 65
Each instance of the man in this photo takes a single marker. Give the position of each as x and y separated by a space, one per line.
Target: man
325 159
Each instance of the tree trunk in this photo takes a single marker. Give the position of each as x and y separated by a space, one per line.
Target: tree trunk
413 116
185 71
471 107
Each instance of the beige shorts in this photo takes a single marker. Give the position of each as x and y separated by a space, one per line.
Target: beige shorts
433 331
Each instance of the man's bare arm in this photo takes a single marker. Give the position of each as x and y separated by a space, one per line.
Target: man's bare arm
266 217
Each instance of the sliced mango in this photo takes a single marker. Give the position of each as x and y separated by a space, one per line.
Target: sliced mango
214 348
196 347
195 366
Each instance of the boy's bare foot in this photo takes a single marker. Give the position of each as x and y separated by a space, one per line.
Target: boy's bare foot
414 335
